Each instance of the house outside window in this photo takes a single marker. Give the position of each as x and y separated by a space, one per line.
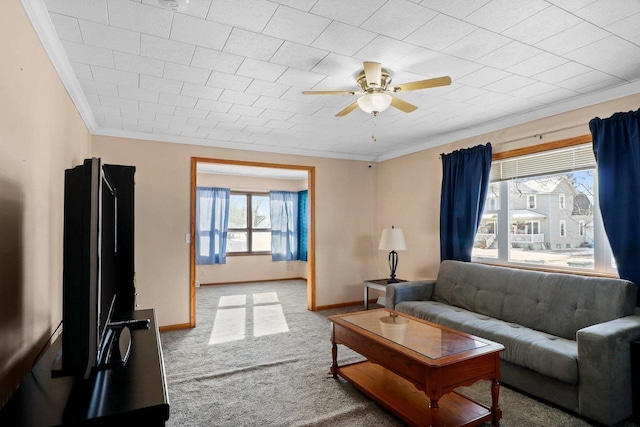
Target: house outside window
539 192
249 224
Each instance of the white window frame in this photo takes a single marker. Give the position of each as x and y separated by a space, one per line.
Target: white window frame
531 198
603 257
562 201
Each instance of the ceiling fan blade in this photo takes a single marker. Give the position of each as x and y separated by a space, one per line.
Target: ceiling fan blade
373 73
402 105
422 84
347 110
328 92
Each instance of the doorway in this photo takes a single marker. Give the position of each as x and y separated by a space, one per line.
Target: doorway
229 166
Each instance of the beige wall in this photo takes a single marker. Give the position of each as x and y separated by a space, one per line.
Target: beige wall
420 201
249 268
345 220
41 135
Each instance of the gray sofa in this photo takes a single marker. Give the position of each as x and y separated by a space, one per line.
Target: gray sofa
566 337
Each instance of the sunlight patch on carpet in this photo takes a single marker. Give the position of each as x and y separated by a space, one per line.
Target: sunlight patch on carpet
268 320
229 325
231 320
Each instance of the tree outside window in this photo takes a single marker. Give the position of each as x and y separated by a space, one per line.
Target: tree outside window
249 224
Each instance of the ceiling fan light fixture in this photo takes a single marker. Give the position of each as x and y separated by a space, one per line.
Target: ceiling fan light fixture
373 103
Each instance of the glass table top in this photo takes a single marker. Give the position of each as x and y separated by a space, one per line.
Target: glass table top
422 338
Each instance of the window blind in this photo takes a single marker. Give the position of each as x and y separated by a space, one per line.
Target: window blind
562 160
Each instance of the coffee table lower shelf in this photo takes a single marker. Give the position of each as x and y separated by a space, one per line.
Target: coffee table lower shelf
411 405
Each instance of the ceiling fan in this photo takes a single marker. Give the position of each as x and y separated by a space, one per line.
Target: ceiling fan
375 83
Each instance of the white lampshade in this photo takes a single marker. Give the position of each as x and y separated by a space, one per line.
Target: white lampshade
392 239
374 102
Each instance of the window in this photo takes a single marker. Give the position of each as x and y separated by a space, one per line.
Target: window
249 224
531 201
548 214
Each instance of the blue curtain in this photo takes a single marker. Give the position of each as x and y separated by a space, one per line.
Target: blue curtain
616 146
465 182
284 225
303 223
212 223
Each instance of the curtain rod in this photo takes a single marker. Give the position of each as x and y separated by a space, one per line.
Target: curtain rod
540 135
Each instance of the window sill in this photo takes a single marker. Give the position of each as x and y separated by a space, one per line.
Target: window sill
547 269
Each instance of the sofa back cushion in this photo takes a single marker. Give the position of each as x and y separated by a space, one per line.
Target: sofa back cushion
556 303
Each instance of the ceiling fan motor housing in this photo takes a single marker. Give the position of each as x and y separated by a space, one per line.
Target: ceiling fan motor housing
385 81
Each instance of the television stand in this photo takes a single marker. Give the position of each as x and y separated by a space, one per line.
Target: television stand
135 393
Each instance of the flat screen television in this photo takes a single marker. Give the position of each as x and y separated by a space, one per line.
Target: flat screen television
90 290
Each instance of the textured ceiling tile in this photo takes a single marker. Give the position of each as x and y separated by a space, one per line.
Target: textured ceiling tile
99 88
160 84
245 110
344 39
304 5
537 64
571 5
589 79
559 94
260 70
200 91
604 12
498 15
352 12
110 37
137 94
215 60
250 15
66 27
562 72
213 106
509 55
140 17
573 38
177 100
300 78
261 87
82 71
151 107
477 44
545 23
199 32
339 66
91 10
118 102
385 50
88 54
296 26
456 8
234 97
440 32
228 81
197 8
253 45
398 18
605 55
532 90
109 75
433 64
298 56
191 112
509 84
186 73
627 28
138 64
167 50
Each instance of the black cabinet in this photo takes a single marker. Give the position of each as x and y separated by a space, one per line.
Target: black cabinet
133 394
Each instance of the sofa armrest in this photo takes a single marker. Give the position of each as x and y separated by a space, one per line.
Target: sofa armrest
604 363
408 291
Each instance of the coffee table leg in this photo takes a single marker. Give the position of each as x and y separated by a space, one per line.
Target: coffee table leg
434 411
334 353
495 406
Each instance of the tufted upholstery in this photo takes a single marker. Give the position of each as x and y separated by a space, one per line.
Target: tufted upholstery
555 303
566 337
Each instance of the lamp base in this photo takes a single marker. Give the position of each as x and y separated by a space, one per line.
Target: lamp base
392 280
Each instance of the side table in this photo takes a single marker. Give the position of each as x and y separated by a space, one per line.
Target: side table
378 284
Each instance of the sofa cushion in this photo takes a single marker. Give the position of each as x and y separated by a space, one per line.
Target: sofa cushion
541 352
556 303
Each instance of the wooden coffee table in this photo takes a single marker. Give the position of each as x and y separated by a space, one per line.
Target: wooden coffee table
414 366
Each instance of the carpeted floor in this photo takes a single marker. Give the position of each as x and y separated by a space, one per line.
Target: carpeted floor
258 357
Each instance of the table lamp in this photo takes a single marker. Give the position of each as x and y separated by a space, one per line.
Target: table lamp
392 239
